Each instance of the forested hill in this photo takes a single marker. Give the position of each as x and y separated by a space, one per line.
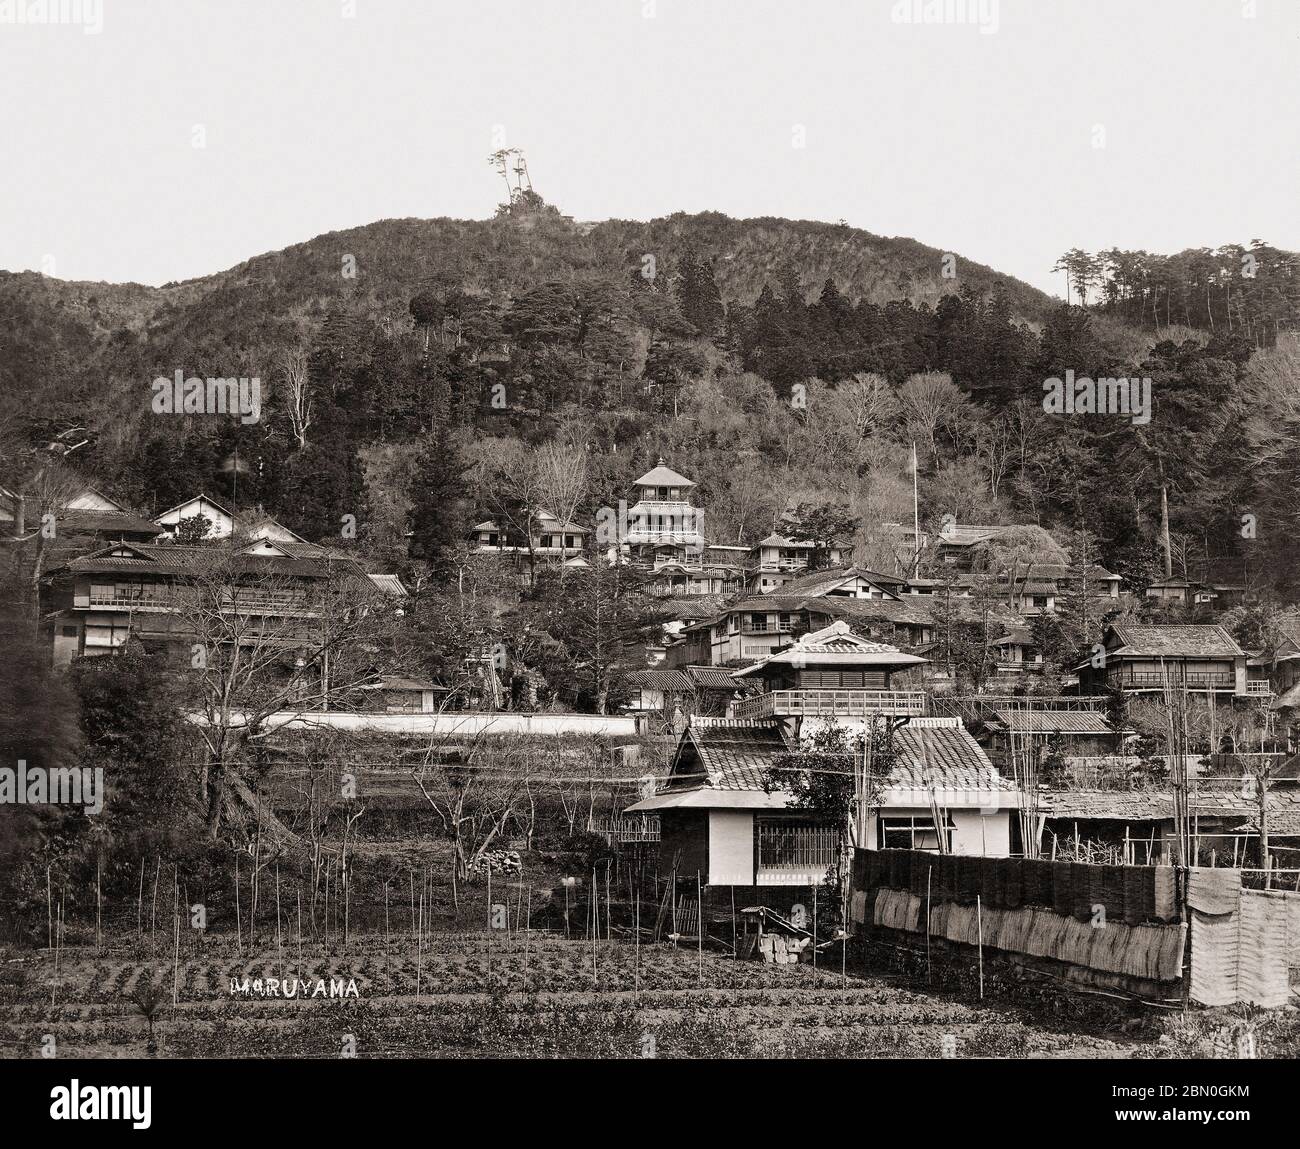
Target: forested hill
776 362
374 271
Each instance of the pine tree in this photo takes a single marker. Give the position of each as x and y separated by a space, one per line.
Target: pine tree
437 497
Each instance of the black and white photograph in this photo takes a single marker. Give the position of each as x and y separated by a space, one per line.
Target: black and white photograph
663 530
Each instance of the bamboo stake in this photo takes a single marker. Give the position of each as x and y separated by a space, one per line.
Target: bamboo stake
527 931
814 941
419 947
279 941
49 904
592 926
239 925
979 926
929 874
139 902
300 929
153 913
176 966
99 908
58 947
699 922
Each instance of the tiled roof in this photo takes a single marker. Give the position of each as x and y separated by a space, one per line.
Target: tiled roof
836 644
1226 801
969 534
733 754
389 584
1063 571
1036 587
151 558
940 752
931 754
1052 721
1176 641
691 606
1117 805
662 678
712 678
107 522
663 476
775 540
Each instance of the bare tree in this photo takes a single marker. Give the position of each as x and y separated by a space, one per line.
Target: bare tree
267 643
298 401
476 789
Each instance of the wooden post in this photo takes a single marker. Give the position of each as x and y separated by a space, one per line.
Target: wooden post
49 903
419 946
735 945
139 902
99 907
636 953
979 928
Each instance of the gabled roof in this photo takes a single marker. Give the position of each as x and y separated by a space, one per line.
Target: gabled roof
834 645
720 763
201 497
662 476
726 754
775 540
1188 640
822 582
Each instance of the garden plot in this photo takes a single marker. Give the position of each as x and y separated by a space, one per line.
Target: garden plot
479 995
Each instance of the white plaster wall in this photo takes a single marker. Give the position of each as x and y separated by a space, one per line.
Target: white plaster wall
731 848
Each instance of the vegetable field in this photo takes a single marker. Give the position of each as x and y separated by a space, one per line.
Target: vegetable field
476 994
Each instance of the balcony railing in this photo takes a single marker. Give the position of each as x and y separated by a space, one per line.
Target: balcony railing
270 603
849 703
1194 680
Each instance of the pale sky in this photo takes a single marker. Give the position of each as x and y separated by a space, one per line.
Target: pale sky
973 141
